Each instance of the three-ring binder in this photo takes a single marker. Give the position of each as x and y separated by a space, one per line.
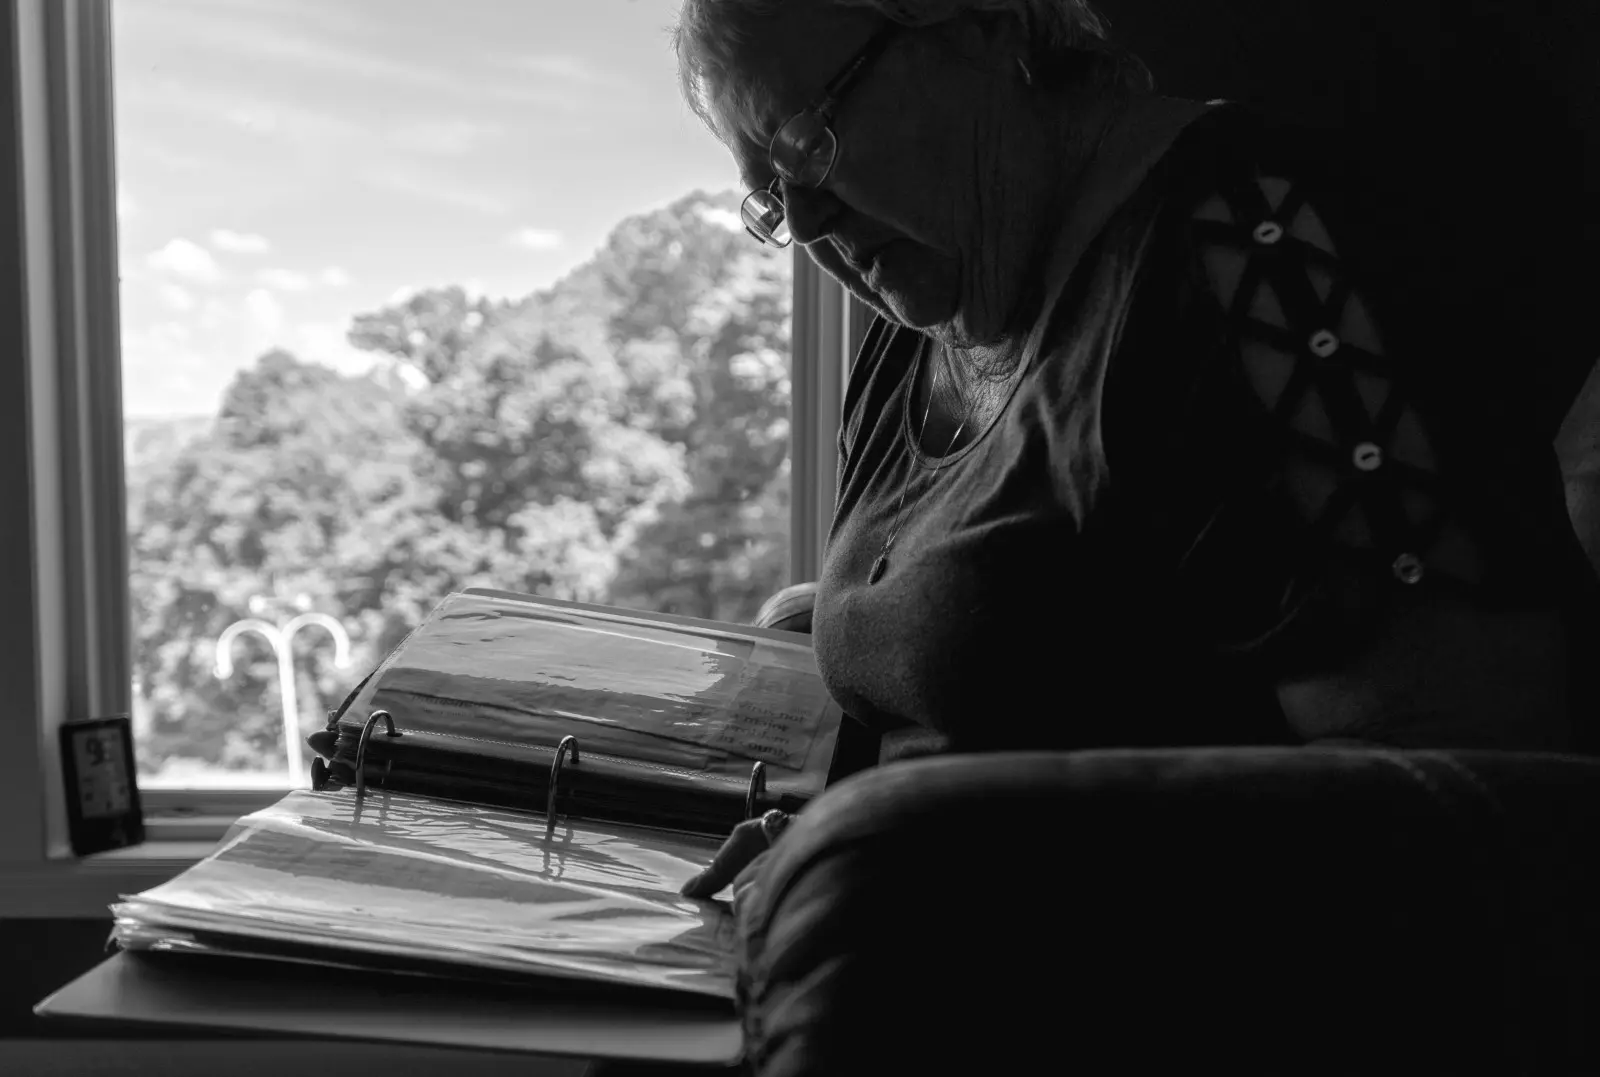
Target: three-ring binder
753 796
757 790
754 793
361 747
568 742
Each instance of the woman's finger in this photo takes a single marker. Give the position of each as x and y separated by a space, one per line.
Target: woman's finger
747 842
742 889
748 874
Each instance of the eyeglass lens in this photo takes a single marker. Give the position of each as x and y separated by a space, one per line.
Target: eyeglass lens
764 218
802 154
803 150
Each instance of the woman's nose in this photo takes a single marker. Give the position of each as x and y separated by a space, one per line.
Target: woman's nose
809 211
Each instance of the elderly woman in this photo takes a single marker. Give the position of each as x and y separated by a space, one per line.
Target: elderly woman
1136 451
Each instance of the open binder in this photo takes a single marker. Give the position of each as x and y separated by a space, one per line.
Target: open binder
671 721
514 797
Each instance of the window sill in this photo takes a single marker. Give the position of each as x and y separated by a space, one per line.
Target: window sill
84 888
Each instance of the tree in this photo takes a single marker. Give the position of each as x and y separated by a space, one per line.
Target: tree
619 437
260 505
693 294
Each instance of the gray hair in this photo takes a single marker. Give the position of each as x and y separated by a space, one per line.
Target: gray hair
1068 36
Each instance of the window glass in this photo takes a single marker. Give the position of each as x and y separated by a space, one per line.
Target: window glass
419 295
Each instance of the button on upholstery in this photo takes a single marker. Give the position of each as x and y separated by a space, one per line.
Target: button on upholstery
1323 343
1408 568
1268 232
1367 457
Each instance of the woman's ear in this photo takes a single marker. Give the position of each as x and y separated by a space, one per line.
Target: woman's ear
1005 30
986 39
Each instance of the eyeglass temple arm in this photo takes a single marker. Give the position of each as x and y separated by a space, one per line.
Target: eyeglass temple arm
841 82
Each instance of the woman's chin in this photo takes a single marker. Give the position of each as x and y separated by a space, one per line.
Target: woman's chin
914 312
915 308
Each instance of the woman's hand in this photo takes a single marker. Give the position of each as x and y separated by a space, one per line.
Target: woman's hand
739 859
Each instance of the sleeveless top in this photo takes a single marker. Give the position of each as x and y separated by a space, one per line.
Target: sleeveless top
1232 463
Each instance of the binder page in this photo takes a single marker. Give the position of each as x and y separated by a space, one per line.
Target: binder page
521 670
407 877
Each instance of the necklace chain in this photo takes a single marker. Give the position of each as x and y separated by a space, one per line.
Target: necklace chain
880 565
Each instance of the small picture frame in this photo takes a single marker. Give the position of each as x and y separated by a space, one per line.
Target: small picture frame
101 783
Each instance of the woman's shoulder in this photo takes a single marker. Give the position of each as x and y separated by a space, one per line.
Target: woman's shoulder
1232 145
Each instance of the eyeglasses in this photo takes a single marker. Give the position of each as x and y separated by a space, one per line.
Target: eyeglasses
803 150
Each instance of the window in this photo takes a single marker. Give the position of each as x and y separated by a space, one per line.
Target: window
414 296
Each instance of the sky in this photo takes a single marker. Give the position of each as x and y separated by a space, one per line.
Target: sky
283 165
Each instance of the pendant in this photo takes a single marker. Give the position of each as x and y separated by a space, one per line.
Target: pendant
878 568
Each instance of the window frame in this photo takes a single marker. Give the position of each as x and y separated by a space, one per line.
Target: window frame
64 560
819 341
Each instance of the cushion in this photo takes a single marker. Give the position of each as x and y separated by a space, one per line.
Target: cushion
1263 910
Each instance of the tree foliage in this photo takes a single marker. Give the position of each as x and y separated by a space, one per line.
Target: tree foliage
620 437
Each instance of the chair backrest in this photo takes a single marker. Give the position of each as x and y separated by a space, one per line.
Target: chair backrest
1473 123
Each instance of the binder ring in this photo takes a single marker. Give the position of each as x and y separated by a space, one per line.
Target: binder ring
757 790
361 747
567 742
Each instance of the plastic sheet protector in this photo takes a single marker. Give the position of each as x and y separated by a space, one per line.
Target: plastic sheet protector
449 884
504 668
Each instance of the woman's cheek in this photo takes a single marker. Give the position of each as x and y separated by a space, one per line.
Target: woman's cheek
827 259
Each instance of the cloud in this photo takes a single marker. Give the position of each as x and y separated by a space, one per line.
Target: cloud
160 336
328 343
177 297
318 42
537 239
164 373
344 60
239 242
289 280
564 68
219 31
284 280
262 119
127 208
447 192
727 218
186 259
265 310
213 314
445 138
568 84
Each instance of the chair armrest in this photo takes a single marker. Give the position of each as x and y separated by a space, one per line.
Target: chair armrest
1272 910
